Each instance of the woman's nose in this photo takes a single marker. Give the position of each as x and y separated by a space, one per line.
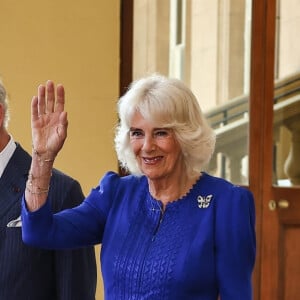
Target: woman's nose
149 143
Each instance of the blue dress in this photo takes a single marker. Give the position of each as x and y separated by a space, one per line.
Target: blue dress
201 247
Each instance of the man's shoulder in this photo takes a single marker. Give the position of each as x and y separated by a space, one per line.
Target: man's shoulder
65 191
59 175
63 181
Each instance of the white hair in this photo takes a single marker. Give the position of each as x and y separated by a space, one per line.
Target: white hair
4 103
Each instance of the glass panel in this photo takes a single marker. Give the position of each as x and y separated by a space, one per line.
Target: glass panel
171 37
287 95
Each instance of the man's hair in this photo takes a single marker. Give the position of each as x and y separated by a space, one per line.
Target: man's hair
4 103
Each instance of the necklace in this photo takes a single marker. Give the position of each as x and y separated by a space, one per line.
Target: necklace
155 205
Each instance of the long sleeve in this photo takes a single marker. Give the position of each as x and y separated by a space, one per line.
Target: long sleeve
235 244
70 228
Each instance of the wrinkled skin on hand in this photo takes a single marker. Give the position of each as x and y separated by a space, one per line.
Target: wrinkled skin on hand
48 119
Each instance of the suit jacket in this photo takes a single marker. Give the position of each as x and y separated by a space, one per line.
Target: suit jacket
36 274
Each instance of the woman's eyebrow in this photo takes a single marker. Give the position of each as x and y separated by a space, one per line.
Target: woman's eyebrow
134 128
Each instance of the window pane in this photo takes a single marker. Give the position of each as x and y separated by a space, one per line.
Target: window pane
287 95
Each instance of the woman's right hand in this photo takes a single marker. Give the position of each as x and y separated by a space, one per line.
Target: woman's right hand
48 120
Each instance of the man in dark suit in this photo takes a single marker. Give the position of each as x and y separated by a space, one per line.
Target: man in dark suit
27 273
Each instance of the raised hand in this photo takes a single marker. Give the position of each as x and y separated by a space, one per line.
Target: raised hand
48 120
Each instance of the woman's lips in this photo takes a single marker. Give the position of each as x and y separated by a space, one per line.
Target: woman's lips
152 160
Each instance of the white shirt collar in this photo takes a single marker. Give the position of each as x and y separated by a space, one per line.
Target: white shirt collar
6 154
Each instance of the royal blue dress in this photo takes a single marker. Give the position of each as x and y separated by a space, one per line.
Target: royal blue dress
202 246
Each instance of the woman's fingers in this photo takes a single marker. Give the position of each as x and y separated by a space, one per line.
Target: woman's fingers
34 109
50 97
41 100
45 102
60 101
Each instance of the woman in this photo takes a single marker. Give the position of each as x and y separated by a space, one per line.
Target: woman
168 230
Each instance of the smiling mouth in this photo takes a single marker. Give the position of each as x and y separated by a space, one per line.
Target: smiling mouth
152 160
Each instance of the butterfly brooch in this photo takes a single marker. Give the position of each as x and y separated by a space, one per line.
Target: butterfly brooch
204 201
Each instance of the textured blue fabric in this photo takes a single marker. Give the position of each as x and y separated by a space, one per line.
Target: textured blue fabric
201 247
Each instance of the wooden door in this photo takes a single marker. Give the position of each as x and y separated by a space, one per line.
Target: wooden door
277 272
281 248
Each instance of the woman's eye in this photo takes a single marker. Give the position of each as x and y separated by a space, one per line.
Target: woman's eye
135 133
162 133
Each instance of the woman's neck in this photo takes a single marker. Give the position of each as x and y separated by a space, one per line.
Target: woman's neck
169 190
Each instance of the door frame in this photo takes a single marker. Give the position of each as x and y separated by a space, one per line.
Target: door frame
261 122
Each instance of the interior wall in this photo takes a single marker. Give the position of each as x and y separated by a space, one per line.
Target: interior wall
75 43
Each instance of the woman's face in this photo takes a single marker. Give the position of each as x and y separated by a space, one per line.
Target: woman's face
156 149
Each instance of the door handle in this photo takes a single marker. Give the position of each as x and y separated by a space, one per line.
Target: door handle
282 204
